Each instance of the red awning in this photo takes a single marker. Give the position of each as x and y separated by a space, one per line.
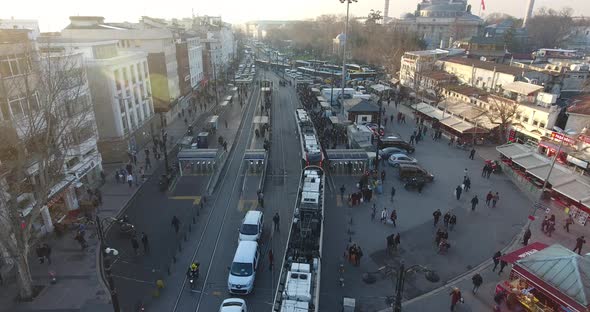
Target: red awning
523 252
549 290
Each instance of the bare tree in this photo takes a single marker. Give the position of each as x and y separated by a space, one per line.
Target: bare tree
549 28
501 111
54 115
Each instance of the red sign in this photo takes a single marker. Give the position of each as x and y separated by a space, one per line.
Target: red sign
585 139
556 136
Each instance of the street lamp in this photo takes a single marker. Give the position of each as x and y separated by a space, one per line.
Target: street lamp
430 275
348 2
377 160
537 204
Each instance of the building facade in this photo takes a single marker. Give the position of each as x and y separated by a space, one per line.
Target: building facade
120 85
440 22
149 36
415 62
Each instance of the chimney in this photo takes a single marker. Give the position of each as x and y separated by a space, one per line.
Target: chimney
529 12
386 11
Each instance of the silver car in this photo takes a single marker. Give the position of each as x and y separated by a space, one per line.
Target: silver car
396 159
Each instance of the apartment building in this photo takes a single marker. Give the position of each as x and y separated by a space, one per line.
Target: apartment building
121 89
149 36
415 62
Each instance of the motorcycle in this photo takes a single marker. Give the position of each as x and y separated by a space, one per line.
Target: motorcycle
125 227
192 278
414 183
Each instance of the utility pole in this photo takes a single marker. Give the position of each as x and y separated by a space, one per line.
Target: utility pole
164 134
399 288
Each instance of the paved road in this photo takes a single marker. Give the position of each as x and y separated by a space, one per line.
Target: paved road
476 237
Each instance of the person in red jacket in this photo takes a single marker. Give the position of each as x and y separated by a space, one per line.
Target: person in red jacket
455 297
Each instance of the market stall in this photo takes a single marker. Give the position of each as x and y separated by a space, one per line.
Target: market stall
547 279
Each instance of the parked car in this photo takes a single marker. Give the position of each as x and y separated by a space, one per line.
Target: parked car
409 171
233 305
388 151
396 142
397 159
252 225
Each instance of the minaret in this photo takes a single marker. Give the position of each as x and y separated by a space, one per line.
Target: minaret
386 11
529 12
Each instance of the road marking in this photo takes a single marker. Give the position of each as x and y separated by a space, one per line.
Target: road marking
196 199
247 204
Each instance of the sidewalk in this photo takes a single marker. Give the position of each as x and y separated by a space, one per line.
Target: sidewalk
78 284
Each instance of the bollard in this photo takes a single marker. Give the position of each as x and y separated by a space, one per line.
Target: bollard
185 236
189 227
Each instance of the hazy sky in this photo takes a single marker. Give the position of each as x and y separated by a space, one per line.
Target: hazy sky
53 14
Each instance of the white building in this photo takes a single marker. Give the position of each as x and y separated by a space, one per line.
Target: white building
121 90
414 62
195 59
148 36
32 25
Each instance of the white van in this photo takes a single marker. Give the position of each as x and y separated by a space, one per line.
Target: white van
242 271
251 228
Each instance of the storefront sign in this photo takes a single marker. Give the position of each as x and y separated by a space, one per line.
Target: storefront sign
584 138
556 136
577 162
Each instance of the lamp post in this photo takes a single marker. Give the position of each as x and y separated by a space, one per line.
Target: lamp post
348 2
401 277
164 134
377 160
107 265
544 187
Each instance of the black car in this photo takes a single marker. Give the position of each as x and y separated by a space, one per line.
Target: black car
407 172
396 142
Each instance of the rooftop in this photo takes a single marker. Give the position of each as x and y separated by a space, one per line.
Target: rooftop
465 90
580 105
364 106
485 65
428 52
438 75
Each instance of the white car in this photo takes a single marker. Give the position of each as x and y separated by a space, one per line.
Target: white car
396 159
233 305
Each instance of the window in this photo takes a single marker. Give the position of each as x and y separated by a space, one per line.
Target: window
125 77
133 75
14 65
16 105
145 69
124 123
541 125
525 119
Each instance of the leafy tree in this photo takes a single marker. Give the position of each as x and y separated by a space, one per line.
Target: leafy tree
501 111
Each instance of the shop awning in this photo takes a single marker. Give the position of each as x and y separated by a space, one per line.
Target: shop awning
561 273
575 189
380 87
512 150
529 161
558 174
462 126
523 252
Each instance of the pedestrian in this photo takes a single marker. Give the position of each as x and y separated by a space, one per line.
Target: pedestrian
436 215
393 217
270 260
260 198
135 245
458 191
80 239
359 255
373 212
130 180
455 297
412 138
569 221
47 252
580 241
176 224
447 218
489 197
496 259
384 215
148 163
382 175
495 199
145 242
465 171
342 190
474 202
98 194
276 220
396 240
452 222
117 178
40 253
472 154
477 281
392 193
484 170
467 184
502 265
526 237
103 177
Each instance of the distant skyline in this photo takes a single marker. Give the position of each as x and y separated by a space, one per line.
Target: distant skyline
53 15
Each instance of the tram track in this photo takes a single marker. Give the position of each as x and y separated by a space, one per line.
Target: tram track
248 117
